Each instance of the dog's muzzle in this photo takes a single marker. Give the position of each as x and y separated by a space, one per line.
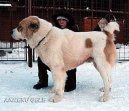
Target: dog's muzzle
15 34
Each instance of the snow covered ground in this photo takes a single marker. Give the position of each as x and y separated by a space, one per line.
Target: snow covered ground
17 93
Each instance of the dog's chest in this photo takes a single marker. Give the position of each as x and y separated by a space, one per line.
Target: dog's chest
44 54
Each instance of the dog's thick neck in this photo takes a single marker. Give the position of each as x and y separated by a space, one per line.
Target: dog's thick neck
42 39
41 34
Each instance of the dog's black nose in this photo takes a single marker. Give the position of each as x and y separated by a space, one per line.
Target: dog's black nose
11 32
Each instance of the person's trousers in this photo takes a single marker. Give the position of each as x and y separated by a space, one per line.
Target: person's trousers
43 76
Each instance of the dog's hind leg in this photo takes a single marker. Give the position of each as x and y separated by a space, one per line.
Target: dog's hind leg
59 77
110 80
104 69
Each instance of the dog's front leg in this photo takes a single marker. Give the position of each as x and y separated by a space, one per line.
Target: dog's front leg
59 77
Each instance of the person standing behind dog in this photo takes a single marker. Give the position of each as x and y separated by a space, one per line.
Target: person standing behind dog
61 20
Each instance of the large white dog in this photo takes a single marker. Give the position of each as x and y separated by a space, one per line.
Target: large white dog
63 50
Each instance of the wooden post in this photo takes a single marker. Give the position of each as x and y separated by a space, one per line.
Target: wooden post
29 11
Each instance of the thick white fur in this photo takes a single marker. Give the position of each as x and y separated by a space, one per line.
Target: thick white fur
62 50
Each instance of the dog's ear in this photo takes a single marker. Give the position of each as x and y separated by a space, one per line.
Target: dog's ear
34 25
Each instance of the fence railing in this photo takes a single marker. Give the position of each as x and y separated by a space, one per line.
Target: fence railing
80 9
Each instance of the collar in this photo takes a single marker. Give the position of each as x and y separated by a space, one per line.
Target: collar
42 39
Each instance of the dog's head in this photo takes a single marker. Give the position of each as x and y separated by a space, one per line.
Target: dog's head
27 27
33 29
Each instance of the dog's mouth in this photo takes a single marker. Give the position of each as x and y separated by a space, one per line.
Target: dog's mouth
116 32
15 35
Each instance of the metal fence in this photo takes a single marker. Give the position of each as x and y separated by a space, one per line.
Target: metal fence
14 51
86 13
10 14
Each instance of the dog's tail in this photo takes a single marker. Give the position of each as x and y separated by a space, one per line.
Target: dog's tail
110 48
110 28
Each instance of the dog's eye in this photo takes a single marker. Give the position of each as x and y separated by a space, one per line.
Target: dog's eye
19 28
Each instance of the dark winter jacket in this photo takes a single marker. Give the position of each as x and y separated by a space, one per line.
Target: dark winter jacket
97 28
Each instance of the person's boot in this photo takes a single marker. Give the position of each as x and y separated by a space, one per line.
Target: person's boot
42 74
71 81
2 53
40 85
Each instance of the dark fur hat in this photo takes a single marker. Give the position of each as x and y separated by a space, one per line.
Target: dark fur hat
110 17
65 14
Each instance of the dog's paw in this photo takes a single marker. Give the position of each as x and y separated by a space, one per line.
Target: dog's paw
55 99
102 89
53 90
103 98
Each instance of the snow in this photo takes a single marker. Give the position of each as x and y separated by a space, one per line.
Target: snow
123 51
5 5
17 93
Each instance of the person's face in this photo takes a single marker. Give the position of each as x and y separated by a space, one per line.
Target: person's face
62 23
